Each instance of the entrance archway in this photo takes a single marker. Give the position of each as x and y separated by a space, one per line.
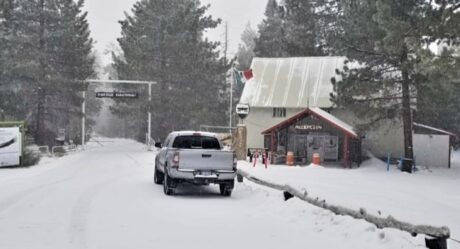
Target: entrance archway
132 82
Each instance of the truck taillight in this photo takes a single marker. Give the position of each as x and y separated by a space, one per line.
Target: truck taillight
175 160
235 161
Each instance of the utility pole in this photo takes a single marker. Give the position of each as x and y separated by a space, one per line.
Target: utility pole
231 81
149 124
83 120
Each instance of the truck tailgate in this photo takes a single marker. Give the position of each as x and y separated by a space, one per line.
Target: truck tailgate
205 160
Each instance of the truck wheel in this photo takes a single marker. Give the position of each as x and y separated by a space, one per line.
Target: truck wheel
225 189
239 178
167 184
158 176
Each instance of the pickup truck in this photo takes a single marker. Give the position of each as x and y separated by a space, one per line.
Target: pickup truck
194 157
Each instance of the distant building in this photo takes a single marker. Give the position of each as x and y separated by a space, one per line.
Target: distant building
285 87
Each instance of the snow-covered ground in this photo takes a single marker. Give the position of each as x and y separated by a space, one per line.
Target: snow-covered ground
428 197
104 197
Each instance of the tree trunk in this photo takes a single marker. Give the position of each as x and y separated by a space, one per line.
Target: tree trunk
407 122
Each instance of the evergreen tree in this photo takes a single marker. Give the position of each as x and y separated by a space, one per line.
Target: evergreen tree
49 56
74 62
301 28
297 28
8 93
386 40
245 51
438 95
163 41
271 41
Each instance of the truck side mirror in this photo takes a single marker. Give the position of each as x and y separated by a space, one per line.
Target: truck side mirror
158 145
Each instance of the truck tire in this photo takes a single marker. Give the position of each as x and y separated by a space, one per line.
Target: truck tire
158 176
239 178
167 182
226 188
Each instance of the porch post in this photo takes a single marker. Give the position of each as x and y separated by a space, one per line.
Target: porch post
346 147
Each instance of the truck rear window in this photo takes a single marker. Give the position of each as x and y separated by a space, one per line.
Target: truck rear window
196 142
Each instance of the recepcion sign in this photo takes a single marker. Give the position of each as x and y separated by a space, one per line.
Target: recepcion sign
308 127
10 146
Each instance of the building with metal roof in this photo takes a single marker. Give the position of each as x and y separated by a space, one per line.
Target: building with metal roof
285 91
284 87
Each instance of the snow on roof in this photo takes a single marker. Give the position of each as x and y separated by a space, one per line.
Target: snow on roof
434 129
298 82
334 120
329 118
191 133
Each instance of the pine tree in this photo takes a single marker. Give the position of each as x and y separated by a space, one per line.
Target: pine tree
49 57
386 40
8 99
301 28
296 28
74 62
271 41
163 41
245 51
438 95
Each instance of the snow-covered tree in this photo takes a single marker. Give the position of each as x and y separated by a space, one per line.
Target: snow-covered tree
301 28
49 54
245 51
389 40
164 41
271 41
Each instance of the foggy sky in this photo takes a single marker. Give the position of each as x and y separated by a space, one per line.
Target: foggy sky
103 16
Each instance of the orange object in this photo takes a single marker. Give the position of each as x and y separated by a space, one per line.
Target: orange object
290 158
316 159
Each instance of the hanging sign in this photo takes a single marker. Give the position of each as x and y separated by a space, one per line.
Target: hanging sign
115 95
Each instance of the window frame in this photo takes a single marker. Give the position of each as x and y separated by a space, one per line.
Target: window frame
279 112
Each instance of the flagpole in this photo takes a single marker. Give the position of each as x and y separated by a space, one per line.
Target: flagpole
231 98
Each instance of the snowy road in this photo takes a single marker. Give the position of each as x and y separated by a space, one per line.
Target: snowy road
105 198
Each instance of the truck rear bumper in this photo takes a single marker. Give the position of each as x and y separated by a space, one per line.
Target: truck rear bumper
212 176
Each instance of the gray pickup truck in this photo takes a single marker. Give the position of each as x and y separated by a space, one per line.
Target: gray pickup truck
194 157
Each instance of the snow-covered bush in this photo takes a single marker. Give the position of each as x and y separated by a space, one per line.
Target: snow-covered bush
30 158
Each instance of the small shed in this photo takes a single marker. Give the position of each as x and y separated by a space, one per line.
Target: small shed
432 146
314 131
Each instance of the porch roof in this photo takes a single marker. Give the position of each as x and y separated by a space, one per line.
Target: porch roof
319 113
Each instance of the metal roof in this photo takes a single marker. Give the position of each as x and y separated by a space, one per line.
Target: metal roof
434 129
318 112
298 82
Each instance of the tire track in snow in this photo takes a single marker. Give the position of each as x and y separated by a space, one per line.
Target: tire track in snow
80 213
138 164
8 202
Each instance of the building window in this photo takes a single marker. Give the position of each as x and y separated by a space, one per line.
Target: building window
279 112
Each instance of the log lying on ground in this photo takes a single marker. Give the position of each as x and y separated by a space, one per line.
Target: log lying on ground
388 222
